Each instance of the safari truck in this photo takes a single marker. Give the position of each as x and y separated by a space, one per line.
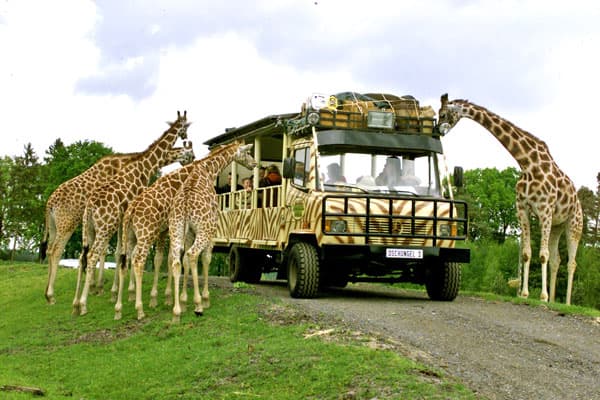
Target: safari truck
361 198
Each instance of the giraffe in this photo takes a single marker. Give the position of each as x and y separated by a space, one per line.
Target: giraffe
144 223
105 207
64 210
194 212
542 190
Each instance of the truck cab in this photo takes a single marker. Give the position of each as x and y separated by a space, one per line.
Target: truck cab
361 198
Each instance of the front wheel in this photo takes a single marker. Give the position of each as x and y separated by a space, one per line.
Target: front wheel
443 281
303 271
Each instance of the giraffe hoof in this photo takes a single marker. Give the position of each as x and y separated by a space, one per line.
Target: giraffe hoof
176 319
199 313
118 316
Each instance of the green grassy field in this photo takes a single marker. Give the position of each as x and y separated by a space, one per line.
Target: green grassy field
244 347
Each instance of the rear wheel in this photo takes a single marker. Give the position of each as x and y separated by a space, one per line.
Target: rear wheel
303 271
244 266
236 265
443 281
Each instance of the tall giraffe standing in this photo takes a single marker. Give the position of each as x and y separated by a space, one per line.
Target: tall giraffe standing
194 211
64 210
144 223
106 206
542 189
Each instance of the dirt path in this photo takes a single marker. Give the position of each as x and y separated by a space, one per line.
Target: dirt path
499 350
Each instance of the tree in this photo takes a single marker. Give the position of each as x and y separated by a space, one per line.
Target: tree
25 201
590 204
491 197
6 168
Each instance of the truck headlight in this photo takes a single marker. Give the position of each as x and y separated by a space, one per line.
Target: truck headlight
336 226
446 230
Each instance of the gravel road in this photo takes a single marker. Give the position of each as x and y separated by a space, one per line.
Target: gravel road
499 350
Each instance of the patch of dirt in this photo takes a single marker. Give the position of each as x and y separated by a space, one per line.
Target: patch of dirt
105 336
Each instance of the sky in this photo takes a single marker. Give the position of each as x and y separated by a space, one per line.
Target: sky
115 71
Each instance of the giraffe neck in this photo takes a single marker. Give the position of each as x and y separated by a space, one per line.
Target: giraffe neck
160 152
214 163
525 148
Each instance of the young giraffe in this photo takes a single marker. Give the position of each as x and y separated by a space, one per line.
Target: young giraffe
194 211
106 206
64 210
144 223
542 189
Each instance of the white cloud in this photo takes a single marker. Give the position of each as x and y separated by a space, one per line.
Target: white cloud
82 70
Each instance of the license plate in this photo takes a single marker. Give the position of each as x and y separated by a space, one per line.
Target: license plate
404 253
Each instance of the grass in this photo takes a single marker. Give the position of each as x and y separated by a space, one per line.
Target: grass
244 347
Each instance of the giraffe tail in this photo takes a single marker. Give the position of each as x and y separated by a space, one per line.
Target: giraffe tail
122 261
44 242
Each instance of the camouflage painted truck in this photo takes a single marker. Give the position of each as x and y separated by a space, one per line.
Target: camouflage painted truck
336 217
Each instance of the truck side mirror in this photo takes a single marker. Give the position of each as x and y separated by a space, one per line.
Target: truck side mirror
458 177
289 167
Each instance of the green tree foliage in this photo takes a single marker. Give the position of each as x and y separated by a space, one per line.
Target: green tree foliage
6 168
490 194
25 201
590 203
65 162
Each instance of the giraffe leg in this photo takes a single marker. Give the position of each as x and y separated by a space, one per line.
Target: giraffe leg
574 229
76 308
525 250
189 242
554 261
138 266
206 257
158 260
99 247
176 272
121 270
168 288
193 261
545 217
99 287
183 297
55 251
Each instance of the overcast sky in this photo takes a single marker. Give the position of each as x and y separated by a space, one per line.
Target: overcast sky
114 71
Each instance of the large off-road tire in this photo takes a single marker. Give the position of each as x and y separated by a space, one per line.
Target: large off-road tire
303 271
443 281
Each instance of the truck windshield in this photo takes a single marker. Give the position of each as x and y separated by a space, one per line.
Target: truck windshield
380 173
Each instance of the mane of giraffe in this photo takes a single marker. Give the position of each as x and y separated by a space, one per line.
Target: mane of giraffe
144 223
194 212
64 210
542 189
106 206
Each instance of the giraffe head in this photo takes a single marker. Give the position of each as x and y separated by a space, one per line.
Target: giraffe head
449 114
183 155
242 155
180 125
